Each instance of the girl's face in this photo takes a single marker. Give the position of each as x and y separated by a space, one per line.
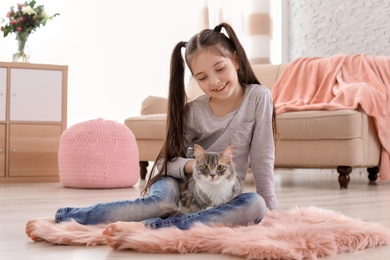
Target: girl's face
215 74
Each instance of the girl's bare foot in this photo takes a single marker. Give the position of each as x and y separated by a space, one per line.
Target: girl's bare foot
32 225
115 232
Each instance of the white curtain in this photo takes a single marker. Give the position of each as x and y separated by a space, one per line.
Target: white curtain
251 21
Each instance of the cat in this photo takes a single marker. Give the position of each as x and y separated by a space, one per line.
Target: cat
214 181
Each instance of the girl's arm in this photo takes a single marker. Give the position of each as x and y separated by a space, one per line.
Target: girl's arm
188 167
179 167
262 151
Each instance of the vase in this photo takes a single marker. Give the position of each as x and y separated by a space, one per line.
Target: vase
22 53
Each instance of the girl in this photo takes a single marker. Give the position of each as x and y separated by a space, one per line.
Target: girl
236 110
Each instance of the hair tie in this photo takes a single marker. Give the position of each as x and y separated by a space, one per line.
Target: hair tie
185 44
218 28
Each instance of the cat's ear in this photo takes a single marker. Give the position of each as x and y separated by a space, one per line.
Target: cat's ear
198 150
228 151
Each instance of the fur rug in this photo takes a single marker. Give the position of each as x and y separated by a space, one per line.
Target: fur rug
299 233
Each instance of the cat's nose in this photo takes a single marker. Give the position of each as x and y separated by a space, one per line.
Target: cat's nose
212 176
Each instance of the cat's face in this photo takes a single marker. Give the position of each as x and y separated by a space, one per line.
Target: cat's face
213 167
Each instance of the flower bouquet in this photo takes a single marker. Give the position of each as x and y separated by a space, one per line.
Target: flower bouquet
22 21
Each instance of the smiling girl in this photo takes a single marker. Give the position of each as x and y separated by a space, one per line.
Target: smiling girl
235 110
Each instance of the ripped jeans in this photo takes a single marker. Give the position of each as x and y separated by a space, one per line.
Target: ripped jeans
159 210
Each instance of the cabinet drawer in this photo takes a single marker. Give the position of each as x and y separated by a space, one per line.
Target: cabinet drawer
35 95
3 93
2 150
34 150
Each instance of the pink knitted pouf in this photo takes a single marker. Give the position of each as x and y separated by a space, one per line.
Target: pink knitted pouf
98 154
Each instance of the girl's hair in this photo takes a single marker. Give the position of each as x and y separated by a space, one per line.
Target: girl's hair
212 40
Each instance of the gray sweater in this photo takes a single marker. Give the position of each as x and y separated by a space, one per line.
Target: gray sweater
248 129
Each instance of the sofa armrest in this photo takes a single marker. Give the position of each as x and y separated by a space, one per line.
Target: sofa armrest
154 105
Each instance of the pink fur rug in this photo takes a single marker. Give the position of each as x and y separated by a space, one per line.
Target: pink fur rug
299 233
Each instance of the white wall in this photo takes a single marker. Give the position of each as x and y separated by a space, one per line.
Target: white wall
325 28
117 51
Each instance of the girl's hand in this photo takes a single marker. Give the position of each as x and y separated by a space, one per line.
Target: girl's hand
188 167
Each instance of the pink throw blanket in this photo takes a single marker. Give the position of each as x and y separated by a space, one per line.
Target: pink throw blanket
340 82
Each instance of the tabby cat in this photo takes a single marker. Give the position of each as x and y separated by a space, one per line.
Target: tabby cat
214 181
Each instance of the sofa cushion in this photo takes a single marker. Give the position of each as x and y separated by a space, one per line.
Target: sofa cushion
320 124
154 105
148 126
267 74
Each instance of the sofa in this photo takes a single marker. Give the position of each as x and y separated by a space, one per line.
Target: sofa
340 139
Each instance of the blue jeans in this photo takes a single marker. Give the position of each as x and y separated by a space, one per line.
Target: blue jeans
159 209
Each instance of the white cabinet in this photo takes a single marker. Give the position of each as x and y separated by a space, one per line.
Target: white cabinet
35 95
32 119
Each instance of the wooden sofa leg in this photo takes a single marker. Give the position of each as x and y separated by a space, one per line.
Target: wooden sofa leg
143 169
373 175
344 179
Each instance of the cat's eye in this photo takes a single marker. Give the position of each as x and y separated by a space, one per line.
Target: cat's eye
205 167
220 167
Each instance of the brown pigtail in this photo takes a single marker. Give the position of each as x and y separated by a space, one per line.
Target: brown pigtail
174 145
174 142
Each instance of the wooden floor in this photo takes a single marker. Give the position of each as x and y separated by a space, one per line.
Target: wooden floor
298 187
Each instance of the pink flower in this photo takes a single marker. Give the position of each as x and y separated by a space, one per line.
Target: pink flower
21 19
12 22
20 6
19 29
8 15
